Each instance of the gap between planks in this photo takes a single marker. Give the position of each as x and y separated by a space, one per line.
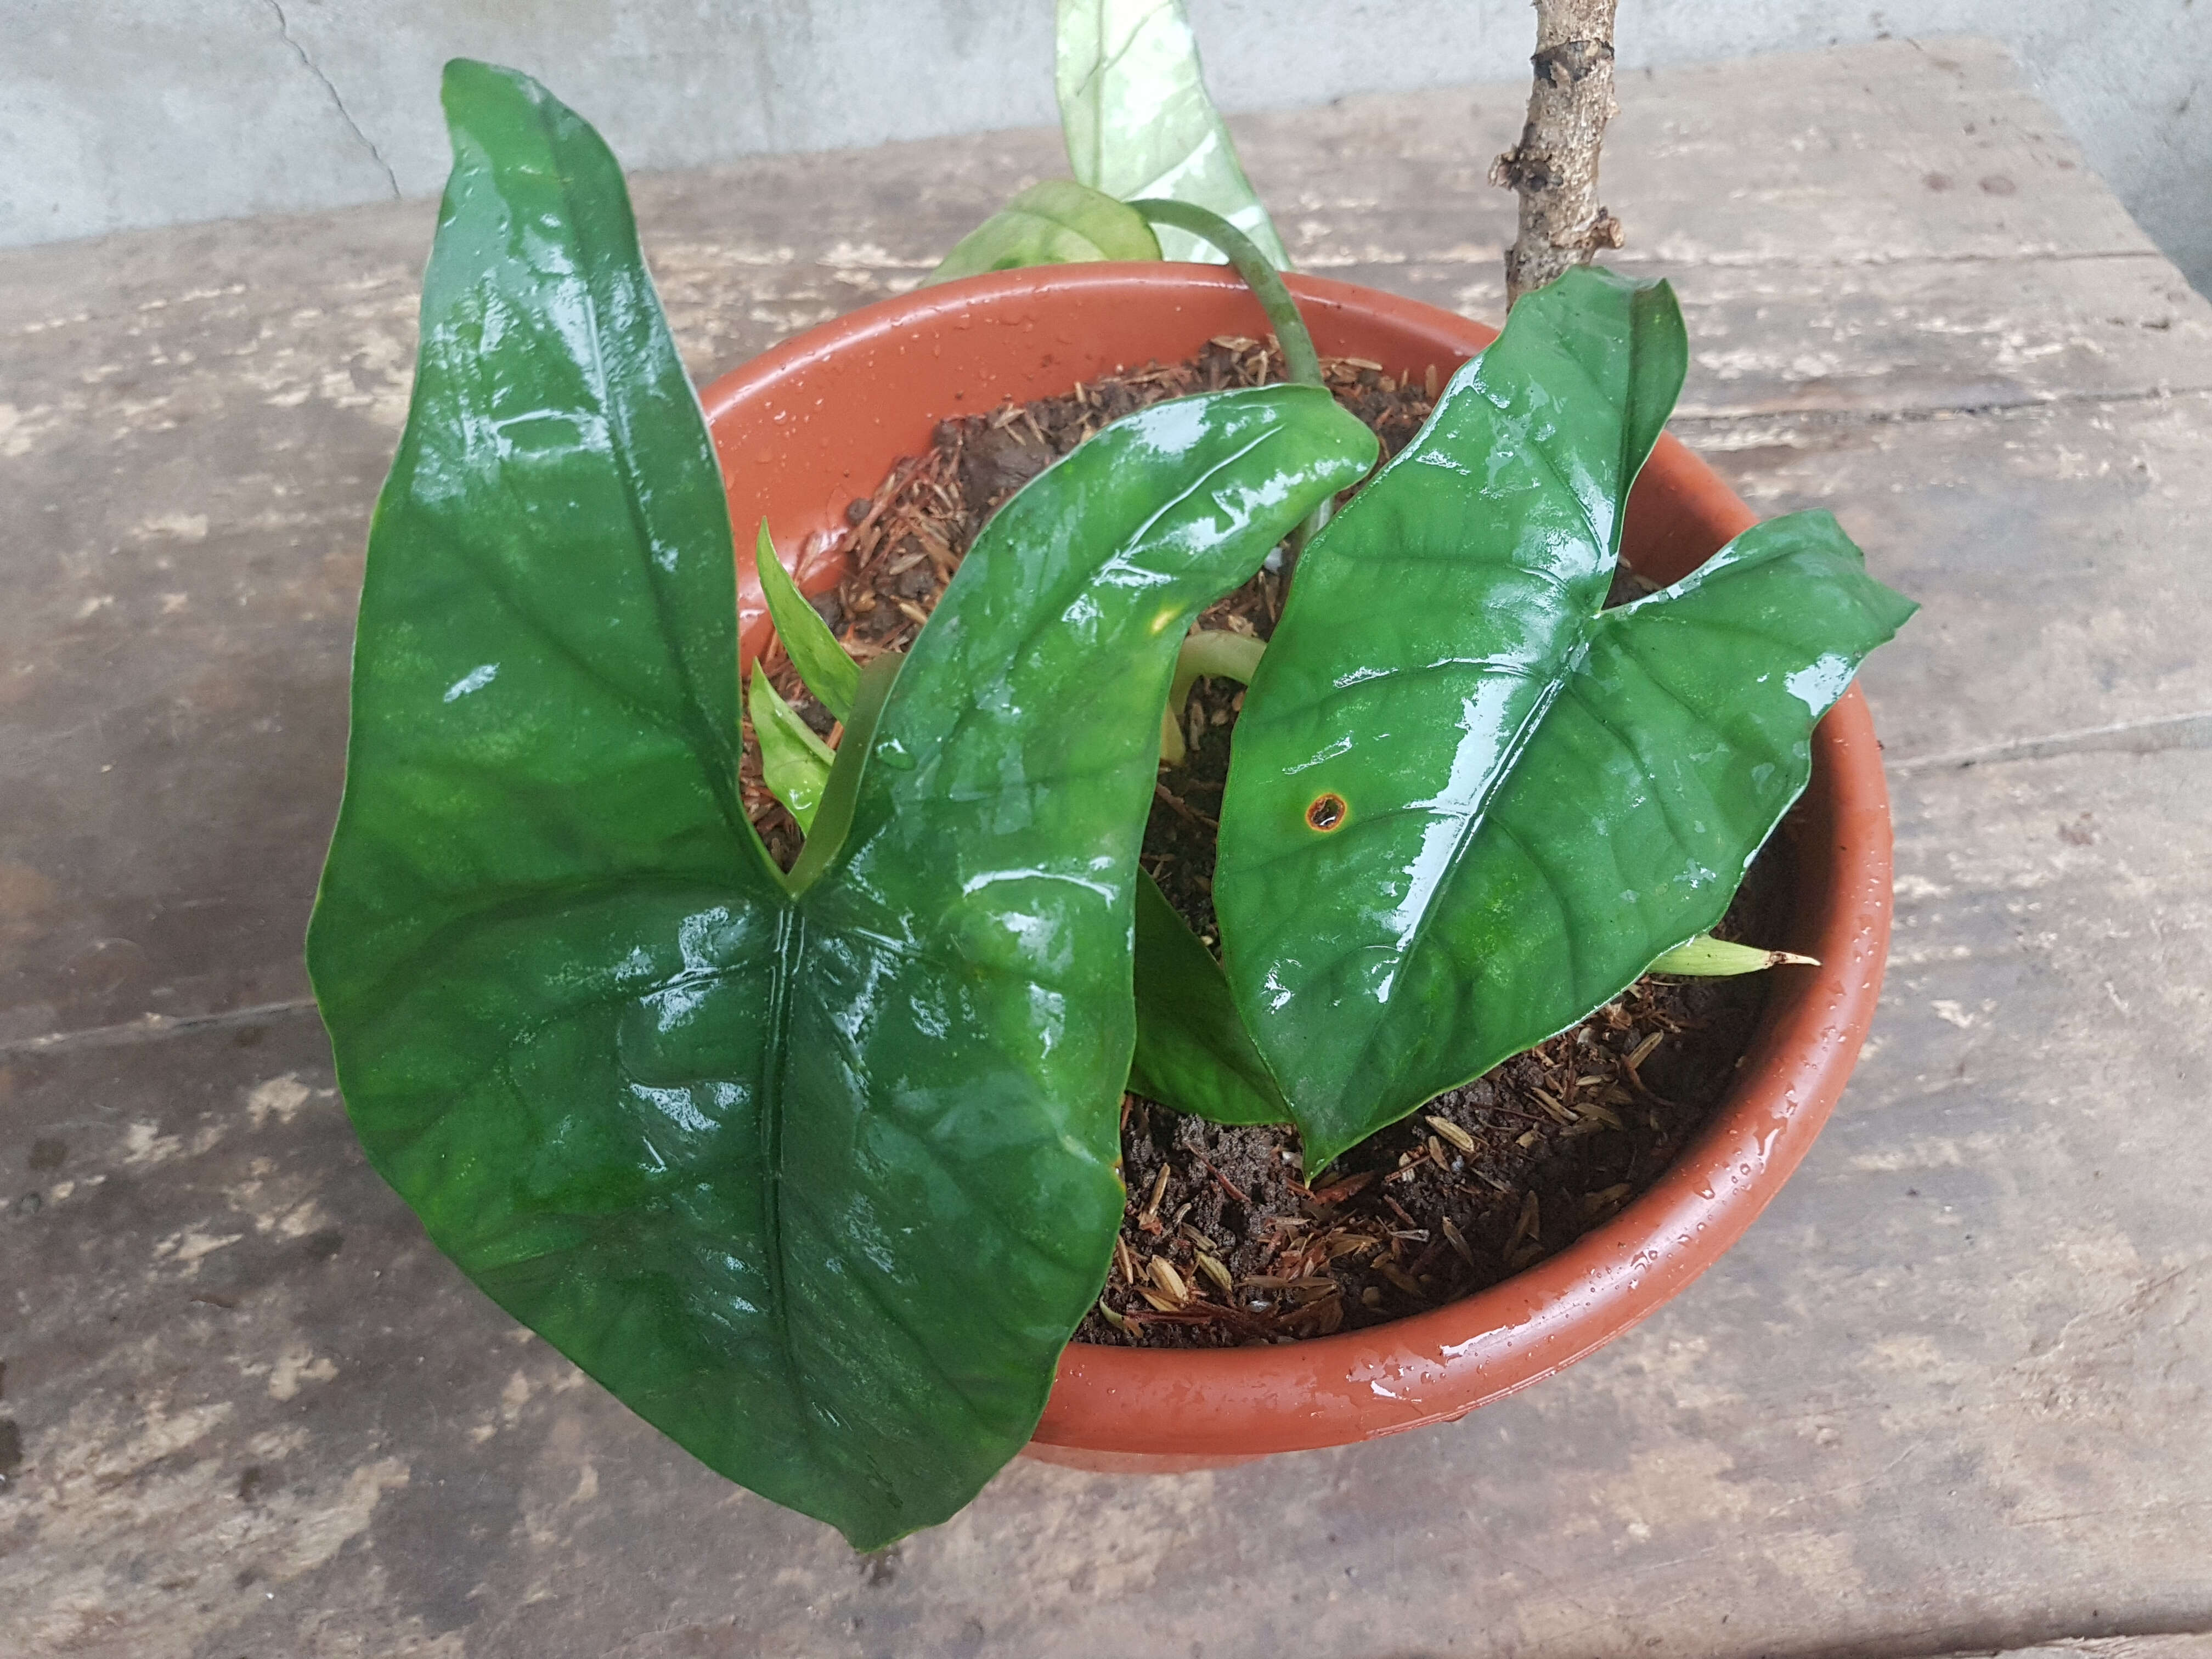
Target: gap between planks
2158 735
151 1028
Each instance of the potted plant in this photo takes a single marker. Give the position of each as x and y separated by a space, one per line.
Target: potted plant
814 1166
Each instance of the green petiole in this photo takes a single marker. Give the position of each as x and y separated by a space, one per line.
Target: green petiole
1300 361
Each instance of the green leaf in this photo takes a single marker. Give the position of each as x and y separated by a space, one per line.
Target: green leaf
1465 807
1134 110
830 674
817 1176
1057 222
1192 1051
794 763
1707 957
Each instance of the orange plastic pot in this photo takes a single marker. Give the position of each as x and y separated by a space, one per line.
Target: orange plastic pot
811 425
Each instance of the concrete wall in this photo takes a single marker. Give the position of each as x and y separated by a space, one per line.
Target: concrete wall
116 115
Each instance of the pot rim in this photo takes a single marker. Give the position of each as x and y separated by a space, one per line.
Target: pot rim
1153 1408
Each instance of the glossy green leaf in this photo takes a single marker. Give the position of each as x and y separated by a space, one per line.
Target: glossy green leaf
1134 110
1707 957
830 674
1056 222
816 1174
1193 1053
1465 807
794 763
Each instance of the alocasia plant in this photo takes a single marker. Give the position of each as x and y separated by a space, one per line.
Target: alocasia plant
815 1169
1394 917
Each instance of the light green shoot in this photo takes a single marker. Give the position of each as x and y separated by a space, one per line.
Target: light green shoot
1134 110
794 763
1707 957
1056 221
829 673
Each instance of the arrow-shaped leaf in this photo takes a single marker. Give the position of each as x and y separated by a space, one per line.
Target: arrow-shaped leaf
1464 808
816 1174
829 673
1134 110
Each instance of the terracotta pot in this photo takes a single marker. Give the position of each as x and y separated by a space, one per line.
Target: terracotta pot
817 421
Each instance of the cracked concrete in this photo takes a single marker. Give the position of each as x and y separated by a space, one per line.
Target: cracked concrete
338 102
1946 1398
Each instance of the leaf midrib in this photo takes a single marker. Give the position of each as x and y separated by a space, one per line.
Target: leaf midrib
1471 825
1571 659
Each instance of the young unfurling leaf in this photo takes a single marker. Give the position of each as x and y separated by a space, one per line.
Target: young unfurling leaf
1707 957
794 763
829 673
1055 223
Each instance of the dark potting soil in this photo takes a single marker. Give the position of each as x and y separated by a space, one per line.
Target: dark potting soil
1223 1241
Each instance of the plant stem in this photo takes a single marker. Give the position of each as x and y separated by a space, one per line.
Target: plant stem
1300 361
1553 169
1204 651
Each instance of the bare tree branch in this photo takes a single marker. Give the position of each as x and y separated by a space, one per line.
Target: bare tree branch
1554 166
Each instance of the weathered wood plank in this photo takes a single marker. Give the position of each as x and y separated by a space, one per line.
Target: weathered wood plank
2053 547
180 645
258 1413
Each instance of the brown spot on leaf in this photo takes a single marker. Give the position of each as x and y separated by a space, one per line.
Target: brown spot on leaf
1326 813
